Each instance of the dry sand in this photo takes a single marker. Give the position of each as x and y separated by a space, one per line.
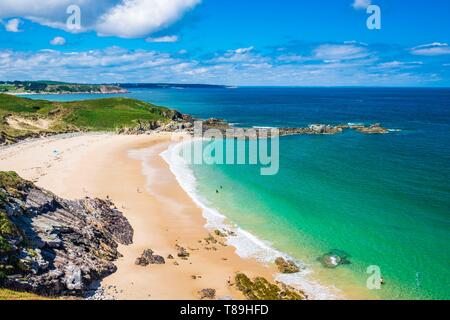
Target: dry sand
162 215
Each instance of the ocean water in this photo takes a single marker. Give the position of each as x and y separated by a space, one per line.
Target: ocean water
383 199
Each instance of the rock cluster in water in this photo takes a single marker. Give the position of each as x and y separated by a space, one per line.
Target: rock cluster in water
53 246
185 123
334 258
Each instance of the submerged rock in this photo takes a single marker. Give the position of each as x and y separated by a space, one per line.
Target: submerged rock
334 258
53 246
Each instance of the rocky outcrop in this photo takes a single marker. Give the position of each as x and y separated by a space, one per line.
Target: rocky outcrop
286 266
148 257
53 246
186 124
372 129
323 129
107 89
261 289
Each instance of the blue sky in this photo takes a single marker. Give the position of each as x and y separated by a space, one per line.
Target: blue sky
245 42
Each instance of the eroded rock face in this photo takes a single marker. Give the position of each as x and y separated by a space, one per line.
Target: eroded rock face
53 246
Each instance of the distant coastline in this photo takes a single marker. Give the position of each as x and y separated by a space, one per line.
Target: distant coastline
54 87
18 88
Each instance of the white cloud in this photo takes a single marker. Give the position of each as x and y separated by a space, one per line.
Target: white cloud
243 50
291 58
58 41
243 66
13 25
239 55
398 64
122 18
361 4
163 39
432 49
137 18
338 52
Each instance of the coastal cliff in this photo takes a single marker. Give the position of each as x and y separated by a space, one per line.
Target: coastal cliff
22 118
52 246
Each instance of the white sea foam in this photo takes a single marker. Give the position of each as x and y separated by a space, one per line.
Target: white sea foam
247 245
262 127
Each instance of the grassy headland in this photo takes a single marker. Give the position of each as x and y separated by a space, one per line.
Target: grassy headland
23 117
56 87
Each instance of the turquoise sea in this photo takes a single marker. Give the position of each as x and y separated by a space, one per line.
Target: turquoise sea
383 199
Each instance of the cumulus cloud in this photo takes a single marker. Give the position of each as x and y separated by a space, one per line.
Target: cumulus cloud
361 4
122 18
338 52
244 55
354 65
432 49
166 39
58 41
137 18
398 64
13 25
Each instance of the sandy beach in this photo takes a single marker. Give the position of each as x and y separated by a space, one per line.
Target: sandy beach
160 212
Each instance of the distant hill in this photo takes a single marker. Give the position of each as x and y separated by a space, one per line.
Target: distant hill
44 86
21 117
170 85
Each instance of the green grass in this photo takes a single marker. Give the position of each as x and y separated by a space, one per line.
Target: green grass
88 115
112 113
10 103
6 294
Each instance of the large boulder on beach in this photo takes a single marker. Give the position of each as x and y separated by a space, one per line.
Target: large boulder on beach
148 257
286 266
182 252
